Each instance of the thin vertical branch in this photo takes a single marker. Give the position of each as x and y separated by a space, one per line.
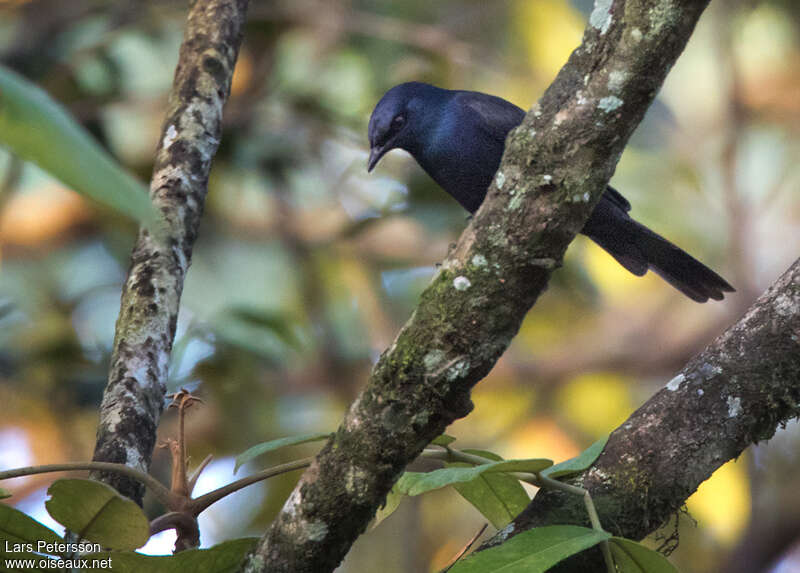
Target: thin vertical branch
134 397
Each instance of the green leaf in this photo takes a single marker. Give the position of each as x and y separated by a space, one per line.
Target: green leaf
36 128
4 494
98 513
272 445
415 483
498 496
579 463
16 527
532 551
444 440
393 500
223 558
632 557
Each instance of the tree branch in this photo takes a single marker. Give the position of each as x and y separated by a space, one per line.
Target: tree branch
555 168
736 392
133 399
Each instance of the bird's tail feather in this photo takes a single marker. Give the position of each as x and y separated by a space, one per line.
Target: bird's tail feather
638 249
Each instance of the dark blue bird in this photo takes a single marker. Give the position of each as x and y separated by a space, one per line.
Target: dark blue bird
458 138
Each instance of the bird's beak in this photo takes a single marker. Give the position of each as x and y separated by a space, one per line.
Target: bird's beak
375 155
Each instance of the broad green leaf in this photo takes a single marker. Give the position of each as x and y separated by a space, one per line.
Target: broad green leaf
16 527
4 494
498 496
98 513
579 463
272 445
223 558
532 551
444 440
415 483
393 500
36 128
632 557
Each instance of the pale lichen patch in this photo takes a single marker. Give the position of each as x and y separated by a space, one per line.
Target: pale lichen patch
516 201
601 15
433 359
734 406
506 532
292 503
785 306
479 260
616 79
708 371
609 103
169 137
461 283
500 180
316 531
458 370
675 383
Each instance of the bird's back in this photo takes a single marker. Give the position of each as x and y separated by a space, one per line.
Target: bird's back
464 151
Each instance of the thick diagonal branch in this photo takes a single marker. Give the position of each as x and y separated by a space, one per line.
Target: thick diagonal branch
133 399
556 166
736 392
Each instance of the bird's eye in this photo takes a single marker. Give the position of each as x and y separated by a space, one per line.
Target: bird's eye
398 121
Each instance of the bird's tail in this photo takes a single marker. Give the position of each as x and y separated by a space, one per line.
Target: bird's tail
638 249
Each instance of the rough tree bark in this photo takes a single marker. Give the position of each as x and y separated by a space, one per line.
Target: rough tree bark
556 166
133 398
734 393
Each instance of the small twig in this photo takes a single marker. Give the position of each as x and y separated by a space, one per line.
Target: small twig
199 504
159 490
182 400
594 518
196 474
466 548
184 525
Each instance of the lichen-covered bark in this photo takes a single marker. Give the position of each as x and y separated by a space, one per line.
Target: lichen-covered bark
736 392
133 398
555 168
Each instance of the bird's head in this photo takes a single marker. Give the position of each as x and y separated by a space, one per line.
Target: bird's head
392 120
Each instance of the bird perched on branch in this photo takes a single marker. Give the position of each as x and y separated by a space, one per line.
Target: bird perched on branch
458 138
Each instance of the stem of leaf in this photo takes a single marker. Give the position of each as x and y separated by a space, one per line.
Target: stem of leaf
594 518
199 504
159 490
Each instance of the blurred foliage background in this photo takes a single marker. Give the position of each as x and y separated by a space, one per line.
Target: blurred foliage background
306 266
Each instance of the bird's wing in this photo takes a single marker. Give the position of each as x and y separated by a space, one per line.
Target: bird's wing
492 115
496 117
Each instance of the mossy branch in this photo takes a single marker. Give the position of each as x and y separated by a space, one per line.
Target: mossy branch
736 392
556 166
